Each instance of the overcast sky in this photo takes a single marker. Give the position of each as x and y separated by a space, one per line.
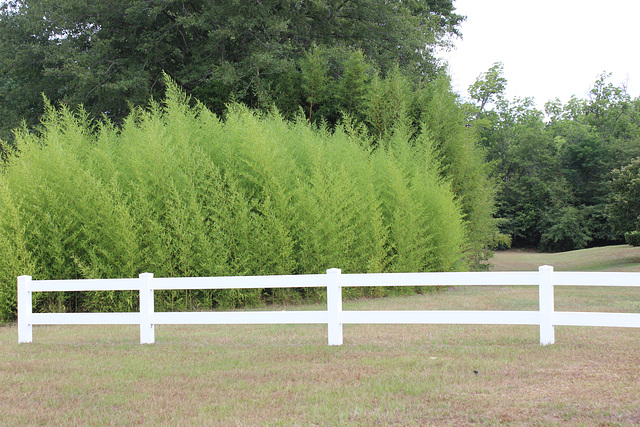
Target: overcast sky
549 48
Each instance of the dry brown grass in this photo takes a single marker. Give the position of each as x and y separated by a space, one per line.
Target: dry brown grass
287 375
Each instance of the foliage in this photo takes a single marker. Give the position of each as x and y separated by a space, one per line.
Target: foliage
436 108
632 238
489 86
110 55
178 192
16 259
366 63
624 202
555 171
387 103
564 228
608 108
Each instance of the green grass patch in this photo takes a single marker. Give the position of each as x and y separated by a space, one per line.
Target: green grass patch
605 258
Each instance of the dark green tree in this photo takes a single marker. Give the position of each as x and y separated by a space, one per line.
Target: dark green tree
530 186
315 80
110 55
624 201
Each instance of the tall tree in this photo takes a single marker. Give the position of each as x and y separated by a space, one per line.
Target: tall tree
488 87
606 106
107 55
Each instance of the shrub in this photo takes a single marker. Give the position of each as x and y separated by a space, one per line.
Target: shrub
632 238
177 192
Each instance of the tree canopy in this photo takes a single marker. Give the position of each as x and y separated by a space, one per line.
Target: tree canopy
110 55
624 206
562 181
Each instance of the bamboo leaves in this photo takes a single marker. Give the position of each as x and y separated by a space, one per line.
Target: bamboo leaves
179 193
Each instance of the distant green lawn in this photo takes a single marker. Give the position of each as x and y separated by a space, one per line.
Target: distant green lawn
606 258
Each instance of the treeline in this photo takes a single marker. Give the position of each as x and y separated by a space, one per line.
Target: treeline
369 61
295 136
178 192
110 55
568 176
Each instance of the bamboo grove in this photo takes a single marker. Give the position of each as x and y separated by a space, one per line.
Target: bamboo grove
179 192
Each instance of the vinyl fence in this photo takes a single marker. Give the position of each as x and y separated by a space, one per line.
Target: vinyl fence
334 317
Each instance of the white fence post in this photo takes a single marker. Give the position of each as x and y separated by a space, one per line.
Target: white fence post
547 333
147 330
25 304
334 306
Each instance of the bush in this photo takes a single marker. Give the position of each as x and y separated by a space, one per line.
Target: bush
632 238
623 209
177 192
564 229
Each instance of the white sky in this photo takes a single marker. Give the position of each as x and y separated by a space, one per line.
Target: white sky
549 48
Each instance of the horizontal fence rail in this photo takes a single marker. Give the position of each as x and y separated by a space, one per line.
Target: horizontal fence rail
334 317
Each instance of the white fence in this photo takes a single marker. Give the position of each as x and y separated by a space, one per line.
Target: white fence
334 317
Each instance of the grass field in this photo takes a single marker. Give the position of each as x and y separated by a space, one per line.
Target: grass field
287 375
606 258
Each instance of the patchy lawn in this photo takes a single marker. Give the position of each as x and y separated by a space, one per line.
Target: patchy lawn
606 258
287 375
